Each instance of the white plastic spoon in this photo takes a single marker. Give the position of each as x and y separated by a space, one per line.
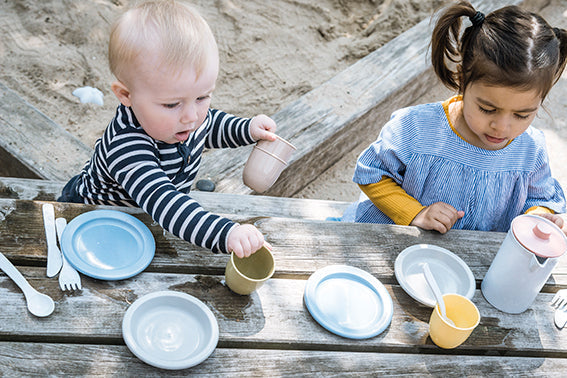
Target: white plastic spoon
437 292
38 304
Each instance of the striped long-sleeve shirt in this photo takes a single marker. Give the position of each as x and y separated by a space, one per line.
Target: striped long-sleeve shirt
419 149
129 168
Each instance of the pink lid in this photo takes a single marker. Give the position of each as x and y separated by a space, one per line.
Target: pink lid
539 235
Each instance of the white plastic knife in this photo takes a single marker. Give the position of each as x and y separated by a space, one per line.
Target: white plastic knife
560 317
54 260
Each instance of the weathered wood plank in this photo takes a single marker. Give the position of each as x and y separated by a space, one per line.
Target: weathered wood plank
116 360
33 145
274 317
45 190
300 246
335 117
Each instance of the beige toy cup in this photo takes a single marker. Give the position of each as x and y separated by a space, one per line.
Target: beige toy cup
266 162
244 275
462 312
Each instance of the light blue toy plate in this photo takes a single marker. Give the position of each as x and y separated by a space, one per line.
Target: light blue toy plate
348 301
108 244
451 273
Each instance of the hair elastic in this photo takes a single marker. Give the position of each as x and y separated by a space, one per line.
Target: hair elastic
477 19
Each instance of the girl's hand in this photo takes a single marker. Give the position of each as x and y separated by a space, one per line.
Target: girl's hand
263 127
557 219
439 216
244 240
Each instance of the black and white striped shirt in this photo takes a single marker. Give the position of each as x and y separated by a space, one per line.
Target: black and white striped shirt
129 168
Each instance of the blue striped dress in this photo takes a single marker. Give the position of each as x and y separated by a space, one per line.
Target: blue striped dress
129 168
420 151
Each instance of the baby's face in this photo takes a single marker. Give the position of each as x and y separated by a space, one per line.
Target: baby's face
170 106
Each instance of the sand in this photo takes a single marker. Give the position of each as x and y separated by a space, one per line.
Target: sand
271 53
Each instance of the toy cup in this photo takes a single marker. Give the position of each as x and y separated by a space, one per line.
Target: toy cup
462 312
244 275
266 162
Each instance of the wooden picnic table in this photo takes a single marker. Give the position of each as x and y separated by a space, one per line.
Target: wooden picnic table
269 333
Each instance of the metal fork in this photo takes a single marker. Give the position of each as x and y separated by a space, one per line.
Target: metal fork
559 301
69 278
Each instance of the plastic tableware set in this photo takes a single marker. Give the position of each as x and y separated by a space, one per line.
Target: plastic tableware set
166 329
516 275
352 303
172 330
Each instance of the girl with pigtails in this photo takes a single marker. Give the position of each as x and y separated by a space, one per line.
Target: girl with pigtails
473 161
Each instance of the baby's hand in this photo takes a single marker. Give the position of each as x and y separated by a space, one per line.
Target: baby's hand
439 216
262 127
244 240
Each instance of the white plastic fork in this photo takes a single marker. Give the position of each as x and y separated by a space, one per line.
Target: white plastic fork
559 301
69 278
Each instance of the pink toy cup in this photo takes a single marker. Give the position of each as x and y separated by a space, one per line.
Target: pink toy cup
266 162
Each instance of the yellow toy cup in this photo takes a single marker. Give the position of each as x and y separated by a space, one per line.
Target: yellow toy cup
462 312
244 275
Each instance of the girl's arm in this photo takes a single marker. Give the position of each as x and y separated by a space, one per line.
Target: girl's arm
405 210
392 200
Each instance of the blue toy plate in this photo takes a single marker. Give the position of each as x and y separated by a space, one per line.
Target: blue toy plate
108 244
348 301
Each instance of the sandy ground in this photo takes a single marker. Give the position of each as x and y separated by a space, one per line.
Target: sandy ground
336 183
271 53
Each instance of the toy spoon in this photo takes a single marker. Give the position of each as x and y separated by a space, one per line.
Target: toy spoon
38 304
437 292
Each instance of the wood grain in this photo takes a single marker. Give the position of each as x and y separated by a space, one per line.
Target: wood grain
274 317
45 190
34 145
116 360
270 330
301 246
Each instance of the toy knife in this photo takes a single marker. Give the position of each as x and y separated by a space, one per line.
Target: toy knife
54 261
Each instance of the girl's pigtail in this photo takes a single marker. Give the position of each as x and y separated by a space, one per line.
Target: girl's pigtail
561 35
446 44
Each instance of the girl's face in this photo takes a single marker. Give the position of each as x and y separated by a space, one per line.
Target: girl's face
169 105
493 116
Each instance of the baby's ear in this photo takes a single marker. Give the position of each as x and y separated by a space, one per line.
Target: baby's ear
122 92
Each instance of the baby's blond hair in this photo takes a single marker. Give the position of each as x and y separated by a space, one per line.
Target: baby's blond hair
171 29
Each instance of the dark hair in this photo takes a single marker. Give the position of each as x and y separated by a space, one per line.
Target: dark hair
510 47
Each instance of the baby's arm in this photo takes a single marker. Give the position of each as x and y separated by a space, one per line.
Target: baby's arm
229 131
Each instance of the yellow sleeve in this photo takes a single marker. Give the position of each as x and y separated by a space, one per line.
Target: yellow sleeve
539 210
392 200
